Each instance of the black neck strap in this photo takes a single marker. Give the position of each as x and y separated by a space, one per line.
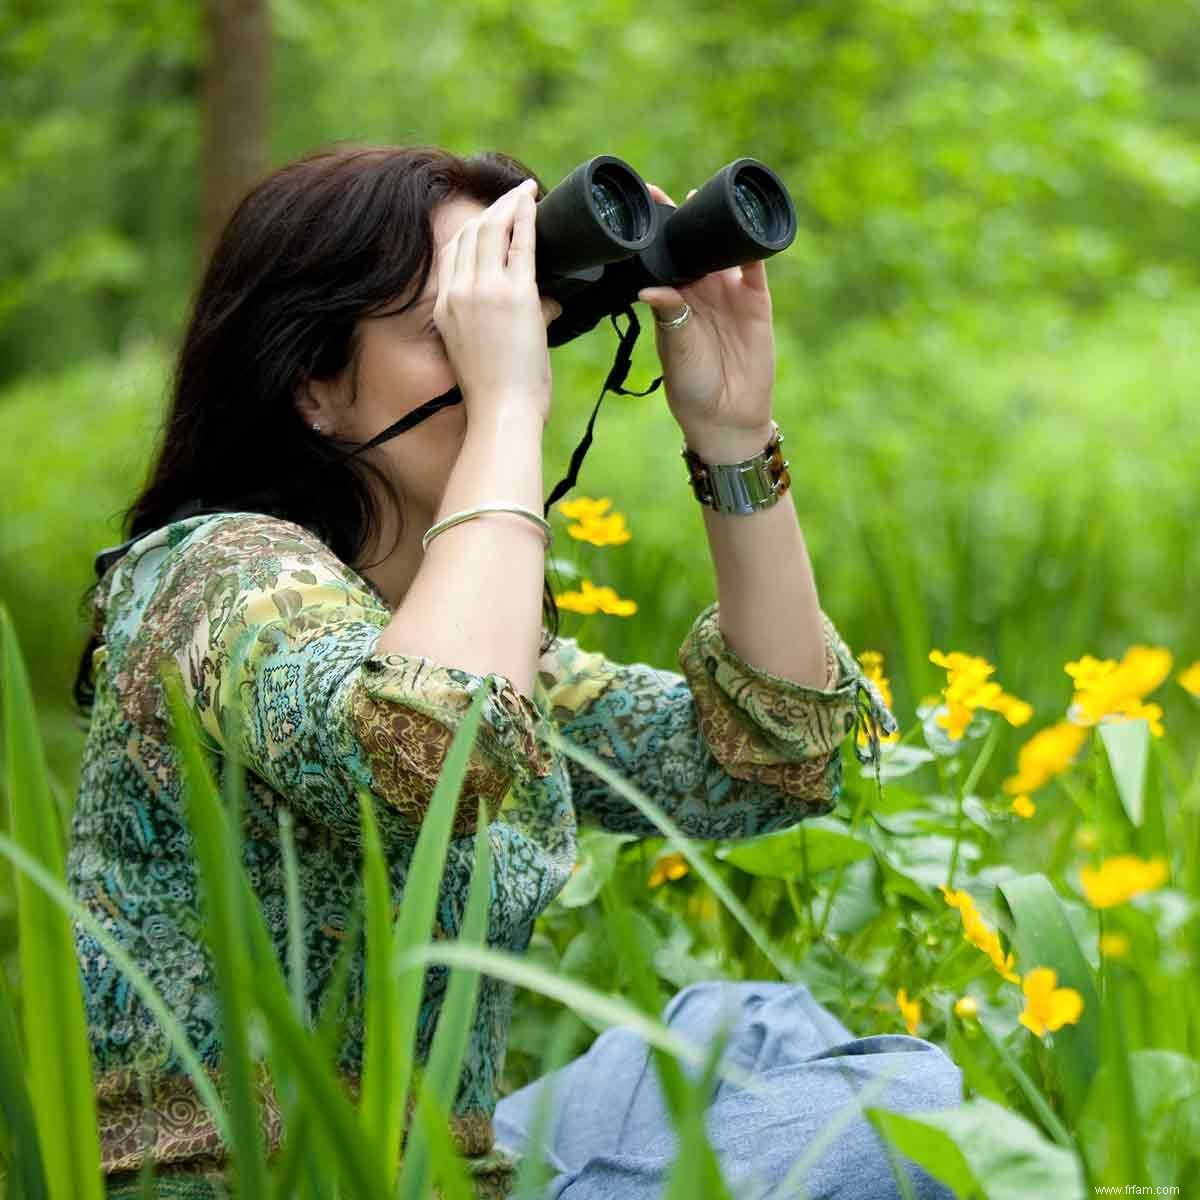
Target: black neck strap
622 361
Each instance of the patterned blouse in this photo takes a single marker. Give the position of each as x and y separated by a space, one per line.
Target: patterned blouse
259 608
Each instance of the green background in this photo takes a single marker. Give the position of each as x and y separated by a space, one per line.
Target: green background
986 327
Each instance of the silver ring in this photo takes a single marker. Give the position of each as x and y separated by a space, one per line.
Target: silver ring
679 320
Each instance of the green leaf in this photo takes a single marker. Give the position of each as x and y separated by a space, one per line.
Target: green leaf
1127 748
25 1165
678 841
382 991
1042 937
825 841
898 760
1167 1094
386 1084
56 890
218 860
534 1172
454 1024
58 1054
982 1151
596 857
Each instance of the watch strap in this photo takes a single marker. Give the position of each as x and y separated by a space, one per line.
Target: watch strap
745 487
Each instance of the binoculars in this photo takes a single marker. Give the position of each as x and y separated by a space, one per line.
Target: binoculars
601 236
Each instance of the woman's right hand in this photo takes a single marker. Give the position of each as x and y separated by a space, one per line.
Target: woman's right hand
488 311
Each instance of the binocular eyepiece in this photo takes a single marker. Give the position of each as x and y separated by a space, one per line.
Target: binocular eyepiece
601 236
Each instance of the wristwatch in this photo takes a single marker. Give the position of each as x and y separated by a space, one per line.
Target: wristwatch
745 487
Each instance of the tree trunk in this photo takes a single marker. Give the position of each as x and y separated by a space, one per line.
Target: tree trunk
236 87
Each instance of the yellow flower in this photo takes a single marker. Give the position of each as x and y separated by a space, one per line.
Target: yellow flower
1048 1007
1048 753
1190 678
1106 688
968 688
669 866
976 931
1114 945
966 1007
602 531
593 599
872 665
1121 878
1023 806
584 508
909 1009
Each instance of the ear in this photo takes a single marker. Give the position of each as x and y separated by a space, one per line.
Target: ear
316 401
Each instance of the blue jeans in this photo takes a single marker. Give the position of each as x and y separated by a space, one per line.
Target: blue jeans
611 1134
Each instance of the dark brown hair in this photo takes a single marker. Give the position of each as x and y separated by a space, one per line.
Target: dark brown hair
312 249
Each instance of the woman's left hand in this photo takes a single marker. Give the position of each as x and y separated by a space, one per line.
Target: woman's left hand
719 367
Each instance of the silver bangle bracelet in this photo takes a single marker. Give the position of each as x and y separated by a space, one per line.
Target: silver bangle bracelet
468 513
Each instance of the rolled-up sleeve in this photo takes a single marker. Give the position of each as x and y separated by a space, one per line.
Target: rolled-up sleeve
258 612
725 749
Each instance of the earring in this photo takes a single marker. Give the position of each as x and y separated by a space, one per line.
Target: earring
316 427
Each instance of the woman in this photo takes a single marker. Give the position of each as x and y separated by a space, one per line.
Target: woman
332 595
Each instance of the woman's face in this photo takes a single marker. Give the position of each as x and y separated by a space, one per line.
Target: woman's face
402 365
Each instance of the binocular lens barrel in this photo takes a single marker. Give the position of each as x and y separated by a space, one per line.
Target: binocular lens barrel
601 237
760 205
617 208
743 213
600 213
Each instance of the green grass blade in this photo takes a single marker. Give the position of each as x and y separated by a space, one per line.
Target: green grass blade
696 1170
25 1167
533 1173
1128 1157
377 1107
455 1019
218 860
1043 937
1127 749
599 1007
681 842
303 1064
1040 1105
57 1050
295 911
337 1125
451 1171
386 1084
138 979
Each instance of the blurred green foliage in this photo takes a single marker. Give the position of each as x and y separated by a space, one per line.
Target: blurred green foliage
986 327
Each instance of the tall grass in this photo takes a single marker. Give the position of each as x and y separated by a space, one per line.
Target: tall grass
1113 1098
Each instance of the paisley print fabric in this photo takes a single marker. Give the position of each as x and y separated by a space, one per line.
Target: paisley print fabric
272 639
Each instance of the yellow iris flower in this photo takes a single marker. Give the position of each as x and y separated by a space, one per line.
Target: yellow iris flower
1047 1006
1189 678
1048 753
602 531
669 866
968 688
592 599
977 932
909 1009
1107 688
1120 878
